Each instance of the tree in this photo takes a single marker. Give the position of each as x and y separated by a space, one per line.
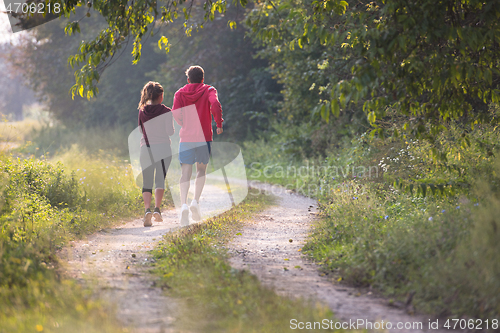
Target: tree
307 71
425 60
126 22
42 58
13 93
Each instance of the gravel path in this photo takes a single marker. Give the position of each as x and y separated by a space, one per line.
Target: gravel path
113 260
270 248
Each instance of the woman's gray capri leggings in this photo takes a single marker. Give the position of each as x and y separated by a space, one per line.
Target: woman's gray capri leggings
161 155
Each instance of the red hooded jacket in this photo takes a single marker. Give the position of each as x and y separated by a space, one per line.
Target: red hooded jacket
194 105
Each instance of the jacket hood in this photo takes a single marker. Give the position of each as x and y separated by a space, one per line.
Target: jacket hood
152 111
192 92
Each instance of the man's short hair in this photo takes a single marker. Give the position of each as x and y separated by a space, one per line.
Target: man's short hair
195 74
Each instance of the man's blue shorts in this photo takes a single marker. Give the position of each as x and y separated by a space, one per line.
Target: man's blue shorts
195 152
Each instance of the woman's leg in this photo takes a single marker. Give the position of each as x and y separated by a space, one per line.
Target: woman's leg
161 169
146 197
147 177
159 197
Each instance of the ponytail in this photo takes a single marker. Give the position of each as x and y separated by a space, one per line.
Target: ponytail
150 92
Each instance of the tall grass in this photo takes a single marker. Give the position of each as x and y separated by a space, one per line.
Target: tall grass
45 203
52 139
19 131
435 250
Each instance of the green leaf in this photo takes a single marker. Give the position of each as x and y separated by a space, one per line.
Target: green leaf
433 189
372 117
325 113
335 107
424 189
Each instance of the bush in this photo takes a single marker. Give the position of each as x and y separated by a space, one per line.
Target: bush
42 207
438 245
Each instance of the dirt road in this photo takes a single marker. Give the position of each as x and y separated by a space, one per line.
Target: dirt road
269 246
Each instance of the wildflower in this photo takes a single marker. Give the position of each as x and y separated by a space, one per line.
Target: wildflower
84 170
333 178
476 204
443 211
355 198
111 178
430 218
386 217
458 207
84 177
77 169
88 199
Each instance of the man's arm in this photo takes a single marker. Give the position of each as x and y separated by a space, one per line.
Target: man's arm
215 108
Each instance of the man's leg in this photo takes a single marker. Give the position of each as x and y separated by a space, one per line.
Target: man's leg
186 172
201 171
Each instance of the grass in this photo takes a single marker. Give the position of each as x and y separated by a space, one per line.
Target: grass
192 265
19 131
432 242
42 138
44 204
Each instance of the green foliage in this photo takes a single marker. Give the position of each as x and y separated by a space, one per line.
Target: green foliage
120 84
427 61
437 245
307 72
51 140
42 207
127 23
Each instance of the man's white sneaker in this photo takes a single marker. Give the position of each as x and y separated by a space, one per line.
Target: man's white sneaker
195 210
184 219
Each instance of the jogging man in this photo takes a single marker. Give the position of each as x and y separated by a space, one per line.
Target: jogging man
194 105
